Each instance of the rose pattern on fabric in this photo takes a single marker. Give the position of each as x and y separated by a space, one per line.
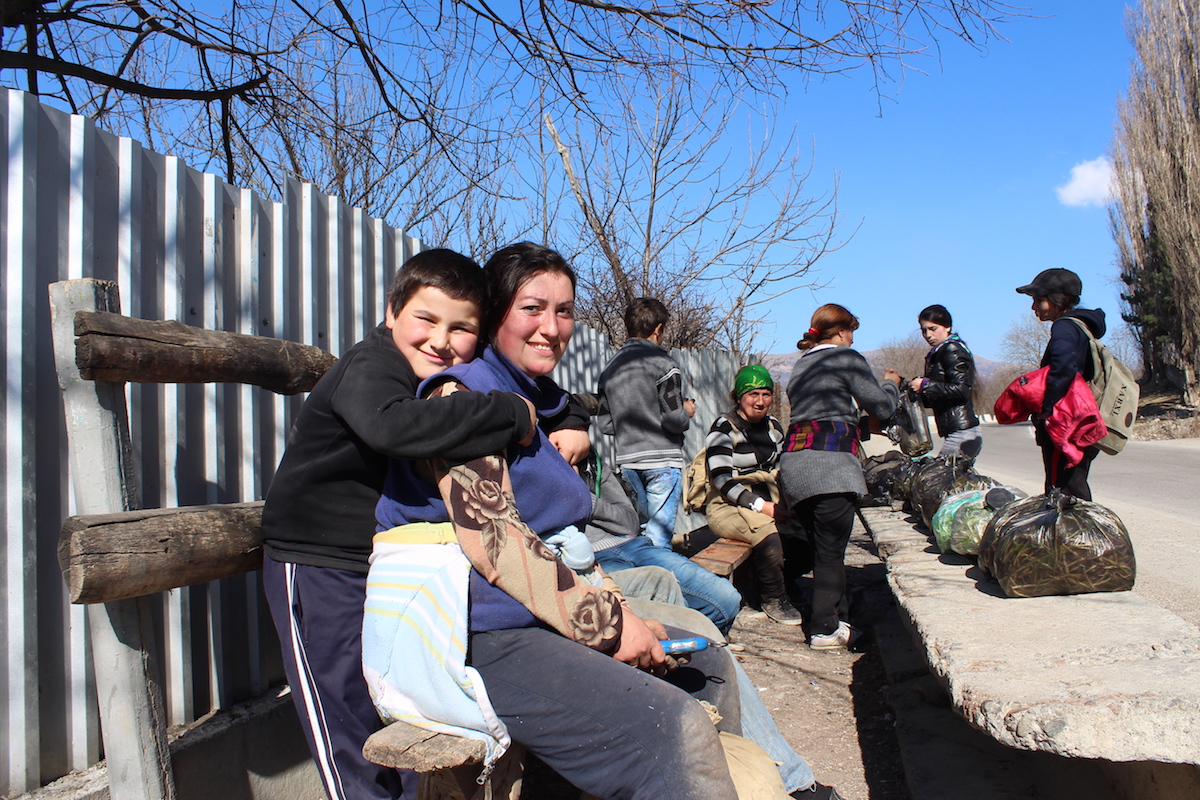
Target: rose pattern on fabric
596 619
481 503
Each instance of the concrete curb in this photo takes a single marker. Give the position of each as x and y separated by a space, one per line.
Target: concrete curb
1109 676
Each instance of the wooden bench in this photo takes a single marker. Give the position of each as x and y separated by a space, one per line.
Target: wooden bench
113 556
723 556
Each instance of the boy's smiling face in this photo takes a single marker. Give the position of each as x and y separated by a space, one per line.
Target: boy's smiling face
434 331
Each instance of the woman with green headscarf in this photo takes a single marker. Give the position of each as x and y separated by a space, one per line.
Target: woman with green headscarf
742 454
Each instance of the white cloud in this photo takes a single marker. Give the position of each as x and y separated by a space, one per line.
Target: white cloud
1090 184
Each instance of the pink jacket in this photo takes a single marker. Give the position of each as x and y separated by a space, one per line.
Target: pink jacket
1074 422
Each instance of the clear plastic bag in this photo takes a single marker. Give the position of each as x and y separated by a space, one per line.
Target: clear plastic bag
971 518
910 429
943 518
1055 544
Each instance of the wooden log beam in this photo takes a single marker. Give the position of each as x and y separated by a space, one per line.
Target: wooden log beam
107 557
113 347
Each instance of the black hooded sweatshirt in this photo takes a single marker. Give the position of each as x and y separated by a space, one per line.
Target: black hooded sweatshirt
1068 352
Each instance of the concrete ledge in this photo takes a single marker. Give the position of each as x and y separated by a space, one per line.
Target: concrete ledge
251 751
1102 676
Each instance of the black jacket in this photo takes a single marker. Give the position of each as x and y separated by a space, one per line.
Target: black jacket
320 509
950 378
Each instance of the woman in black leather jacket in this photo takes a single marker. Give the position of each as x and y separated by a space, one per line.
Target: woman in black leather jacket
948 383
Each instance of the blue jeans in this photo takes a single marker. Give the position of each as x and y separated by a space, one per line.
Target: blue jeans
712 596
658 492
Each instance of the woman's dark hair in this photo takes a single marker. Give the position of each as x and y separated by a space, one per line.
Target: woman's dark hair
937 314
453 273
1064 301
509 268
827 321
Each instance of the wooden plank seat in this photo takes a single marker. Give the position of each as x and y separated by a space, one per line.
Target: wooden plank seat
115 557
723 556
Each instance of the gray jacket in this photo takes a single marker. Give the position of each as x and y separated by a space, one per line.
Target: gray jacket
835 384
641 405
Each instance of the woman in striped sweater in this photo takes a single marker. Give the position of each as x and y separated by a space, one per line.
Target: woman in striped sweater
742 453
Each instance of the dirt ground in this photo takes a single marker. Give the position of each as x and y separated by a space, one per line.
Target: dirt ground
831 706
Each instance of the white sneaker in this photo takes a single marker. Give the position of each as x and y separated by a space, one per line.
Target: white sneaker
842 638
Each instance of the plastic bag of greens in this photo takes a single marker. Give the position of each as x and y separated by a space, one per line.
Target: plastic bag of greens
1056 544
943 518
940 479
881 473
970 519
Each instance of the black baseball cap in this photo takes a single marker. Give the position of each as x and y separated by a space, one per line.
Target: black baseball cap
1051 281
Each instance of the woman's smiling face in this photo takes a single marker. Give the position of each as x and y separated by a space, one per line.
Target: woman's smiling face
538 324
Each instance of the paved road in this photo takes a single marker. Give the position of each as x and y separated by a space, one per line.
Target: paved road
1154 487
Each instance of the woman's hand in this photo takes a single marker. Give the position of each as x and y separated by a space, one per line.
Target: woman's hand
572 443
890 374
640 644
775 510
915 384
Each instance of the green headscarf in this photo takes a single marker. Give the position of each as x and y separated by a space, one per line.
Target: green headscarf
750 377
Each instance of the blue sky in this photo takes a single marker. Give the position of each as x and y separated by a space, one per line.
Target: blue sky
955 179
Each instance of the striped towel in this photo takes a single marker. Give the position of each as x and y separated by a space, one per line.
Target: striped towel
415 637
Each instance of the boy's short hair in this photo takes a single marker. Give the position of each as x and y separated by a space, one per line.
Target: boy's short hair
643 315
453 273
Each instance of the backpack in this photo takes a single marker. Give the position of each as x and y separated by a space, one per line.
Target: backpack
1116 392
697 491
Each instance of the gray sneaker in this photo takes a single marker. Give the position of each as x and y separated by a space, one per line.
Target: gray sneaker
782 611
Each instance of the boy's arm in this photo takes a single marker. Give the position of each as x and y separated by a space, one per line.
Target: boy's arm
612 510
376 398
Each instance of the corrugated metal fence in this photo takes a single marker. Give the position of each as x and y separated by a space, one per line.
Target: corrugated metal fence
79 202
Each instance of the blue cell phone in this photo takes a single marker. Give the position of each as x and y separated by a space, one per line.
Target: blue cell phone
677 647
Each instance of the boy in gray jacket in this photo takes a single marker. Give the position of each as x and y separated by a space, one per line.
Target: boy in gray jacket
643 406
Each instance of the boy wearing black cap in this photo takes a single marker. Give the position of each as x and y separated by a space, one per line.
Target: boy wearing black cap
1055 294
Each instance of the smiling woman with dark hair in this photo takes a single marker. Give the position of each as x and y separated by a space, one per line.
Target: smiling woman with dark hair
568 670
